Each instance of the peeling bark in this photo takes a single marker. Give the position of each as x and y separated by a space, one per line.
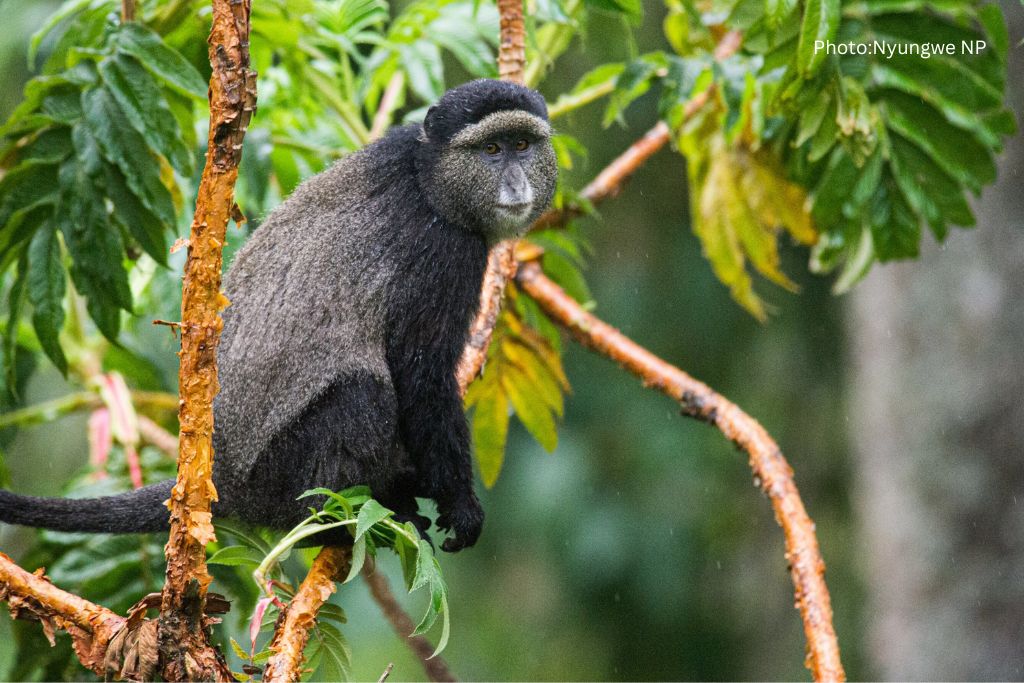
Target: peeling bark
183 642
31 596
299 617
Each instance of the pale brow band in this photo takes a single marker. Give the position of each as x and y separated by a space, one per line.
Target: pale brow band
502 122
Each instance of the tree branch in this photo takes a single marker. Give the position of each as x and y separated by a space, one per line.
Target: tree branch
501 264
299 617
512 49
435 667
232 96
766 460
30 595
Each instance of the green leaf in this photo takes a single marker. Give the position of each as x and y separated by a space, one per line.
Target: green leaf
26 187
633 9
15 300
65 11
236 556
370 513
895 229
819 26
934 196
336 661
46 288
490 431
145 107
96 251
358 558
126 148
163 61
961 156
530 409
132 214
777 10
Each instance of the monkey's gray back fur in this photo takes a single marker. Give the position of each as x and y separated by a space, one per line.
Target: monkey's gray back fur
306 294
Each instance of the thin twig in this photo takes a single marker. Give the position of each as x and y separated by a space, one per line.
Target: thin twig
299 617
127 11
387 672
770 468
435 667
232 101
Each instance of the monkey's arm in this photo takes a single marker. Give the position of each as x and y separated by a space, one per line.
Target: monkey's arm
434 431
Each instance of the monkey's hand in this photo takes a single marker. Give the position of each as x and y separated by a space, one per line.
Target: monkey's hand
464 517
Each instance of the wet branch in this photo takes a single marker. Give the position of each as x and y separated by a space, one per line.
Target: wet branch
183 641
30 595
766 460
299 617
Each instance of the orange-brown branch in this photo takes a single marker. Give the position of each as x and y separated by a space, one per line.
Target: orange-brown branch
512 48
766 460
434 667
30 595
232 101
299 617
501 264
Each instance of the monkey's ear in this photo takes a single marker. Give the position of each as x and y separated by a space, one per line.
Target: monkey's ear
430 121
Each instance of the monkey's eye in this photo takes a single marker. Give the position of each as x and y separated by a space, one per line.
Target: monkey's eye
522 144
492 148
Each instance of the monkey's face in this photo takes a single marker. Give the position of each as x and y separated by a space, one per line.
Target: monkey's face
497 175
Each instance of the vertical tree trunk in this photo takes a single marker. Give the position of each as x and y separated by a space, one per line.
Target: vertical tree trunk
938 431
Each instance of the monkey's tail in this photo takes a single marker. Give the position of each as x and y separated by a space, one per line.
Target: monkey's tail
133 512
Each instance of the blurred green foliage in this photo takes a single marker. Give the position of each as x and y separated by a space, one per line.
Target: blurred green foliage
629 548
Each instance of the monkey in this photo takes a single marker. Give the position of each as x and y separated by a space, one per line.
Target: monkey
349 310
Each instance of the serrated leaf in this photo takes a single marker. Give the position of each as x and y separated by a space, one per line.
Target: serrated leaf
934 196
25 187
336 661
125 148
236 556
358 558
132 214
962 157
15 300
530 409
163 61
146 109
370 513
895 230
820 24
93 246
777 10
533 367
490 432
46 288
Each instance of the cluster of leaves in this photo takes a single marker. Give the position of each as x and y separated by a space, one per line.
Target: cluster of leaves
872 144
523 374
89 159
883 140
373 527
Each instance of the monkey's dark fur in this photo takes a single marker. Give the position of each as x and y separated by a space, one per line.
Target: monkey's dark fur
349 310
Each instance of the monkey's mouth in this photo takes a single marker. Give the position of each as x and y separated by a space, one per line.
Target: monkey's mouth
519 209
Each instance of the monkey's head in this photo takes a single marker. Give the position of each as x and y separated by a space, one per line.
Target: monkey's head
485 161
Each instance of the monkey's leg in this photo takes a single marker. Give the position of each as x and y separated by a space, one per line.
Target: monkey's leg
346 437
